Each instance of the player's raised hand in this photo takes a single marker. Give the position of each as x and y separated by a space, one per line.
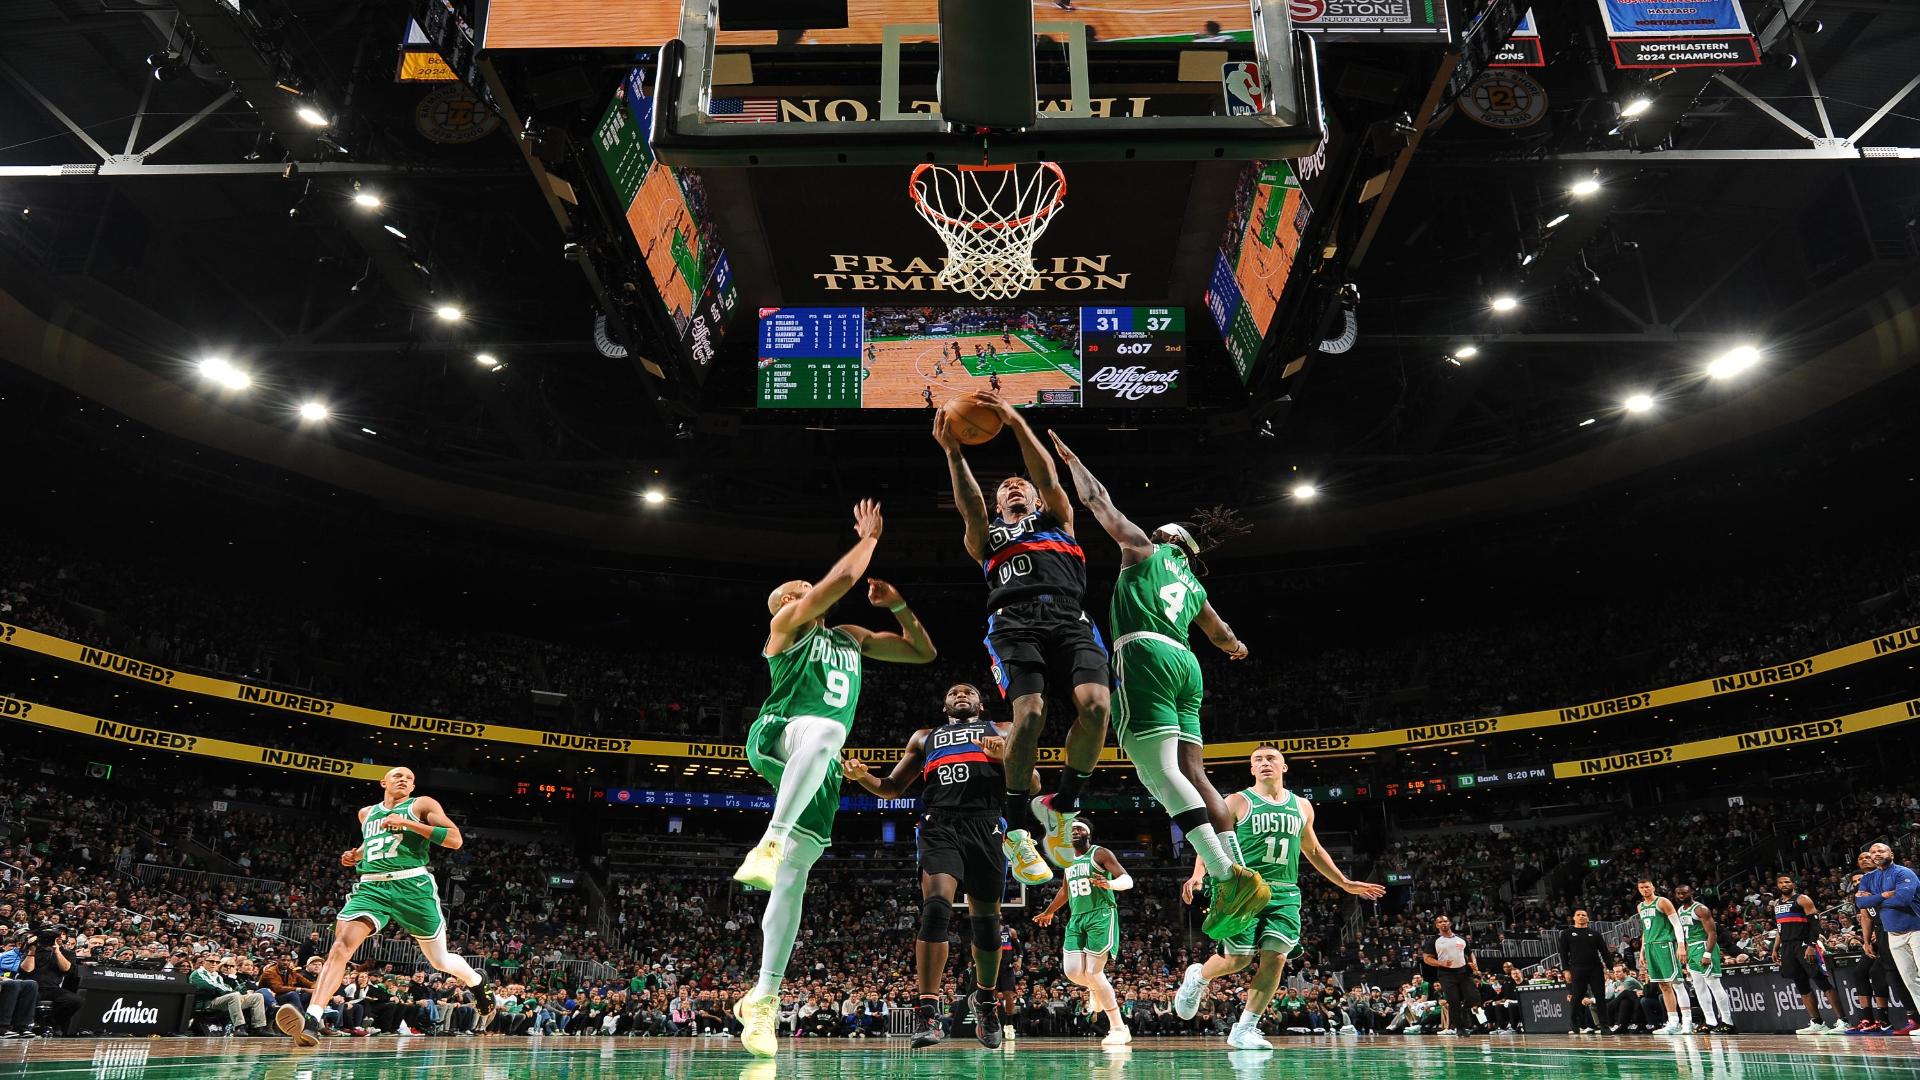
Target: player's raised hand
992 400
1060 447
1045 918
855 769
882 594
1365 889
1238 652
867 522
1189 887
994 746
943 432
350 857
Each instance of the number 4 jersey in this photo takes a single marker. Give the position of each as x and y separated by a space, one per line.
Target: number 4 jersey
1157 681
817 675
1157 595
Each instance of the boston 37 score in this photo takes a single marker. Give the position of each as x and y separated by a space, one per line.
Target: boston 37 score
1133 356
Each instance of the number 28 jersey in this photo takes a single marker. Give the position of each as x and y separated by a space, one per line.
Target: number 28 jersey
959 777
818 675
1157 595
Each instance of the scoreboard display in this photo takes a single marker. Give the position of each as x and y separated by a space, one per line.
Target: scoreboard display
1133 355
920 357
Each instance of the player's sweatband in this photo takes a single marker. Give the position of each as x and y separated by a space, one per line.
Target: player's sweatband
438 836
1121 883
899 607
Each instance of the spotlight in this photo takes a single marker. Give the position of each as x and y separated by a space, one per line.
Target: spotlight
395 231
1635 107
1504 304
1585 187
1638 403
1467 352
366 199
1556 222
217 369
1589 420
312 116
1454 360
1809 26
1733 361
313 410
449 313
1527 259
1785 61
654 497
166 65
1304 491
486 360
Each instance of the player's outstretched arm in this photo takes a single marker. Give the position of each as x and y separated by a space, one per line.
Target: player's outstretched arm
1040 467
850 569
1059 901
905 771
435 825
910 646
1135 544
1218 632
966 490
1317 854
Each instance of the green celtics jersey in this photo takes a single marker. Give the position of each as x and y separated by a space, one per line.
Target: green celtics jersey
817 675
383 852
1270 836
1694 931
1082 897
1654 927
1157 595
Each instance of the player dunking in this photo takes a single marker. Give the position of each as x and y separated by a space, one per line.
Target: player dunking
397 838
795 745
1274 827
1157 713
1037 632
1093 925
959 849
1661 960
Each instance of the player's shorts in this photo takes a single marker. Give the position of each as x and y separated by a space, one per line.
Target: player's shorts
1156 687
1009 976
1044 642
1802 973
1093 931
411 903
763 753
1698 960
1276 929
966 849
1662 961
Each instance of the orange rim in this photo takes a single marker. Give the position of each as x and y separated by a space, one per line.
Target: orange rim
1059 196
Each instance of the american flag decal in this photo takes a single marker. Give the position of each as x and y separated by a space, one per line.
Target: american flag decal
744 110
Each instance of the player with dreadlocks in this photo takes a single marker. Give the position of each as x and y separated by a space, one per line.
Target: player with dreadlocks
1157 685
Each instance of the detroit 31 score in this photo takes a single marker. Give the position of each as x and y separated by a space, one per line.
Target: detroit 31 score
1133 357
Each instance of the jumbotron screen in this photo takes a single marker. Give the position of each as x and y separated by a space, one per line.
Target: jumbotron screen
919 357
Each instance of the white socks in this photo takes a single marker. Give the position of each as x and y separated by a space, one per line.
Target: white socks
1247 1019
809 746
1212 852
780 923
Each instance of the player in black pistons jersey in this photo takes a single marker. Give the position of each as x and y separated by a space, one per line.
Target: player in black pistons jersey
1038 635
960 834
1802 958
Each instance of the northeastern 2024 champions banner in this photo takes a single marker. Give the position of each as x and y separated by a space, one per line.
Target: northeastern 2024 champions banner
1679 33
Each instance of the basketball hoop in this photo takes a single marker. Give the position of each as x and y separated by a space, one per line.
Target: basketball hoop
989 216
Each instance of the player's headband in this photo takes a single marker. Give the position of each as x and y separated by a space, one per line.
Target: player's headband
1182 533
1080 826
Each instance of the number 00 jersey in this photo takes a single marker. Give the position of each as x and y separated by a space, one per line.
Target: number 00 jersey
1157 595
1032 557
817 675
959 777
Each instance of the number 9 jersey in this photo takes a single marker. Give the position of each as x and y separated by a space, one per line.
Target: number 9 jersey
817 675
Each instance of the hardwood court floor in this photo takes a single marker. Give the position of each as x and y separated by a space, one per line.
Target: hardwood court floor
903 368
1749 1057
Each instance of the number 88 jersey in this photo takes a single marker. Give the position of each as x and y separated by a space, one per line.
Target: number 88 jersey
1157 595
960 778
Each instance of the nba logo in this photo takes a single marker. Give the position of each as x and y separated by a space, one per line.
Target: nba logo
1245 96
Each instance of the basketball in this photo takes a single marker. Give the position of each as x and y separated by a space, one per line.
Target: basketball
971 422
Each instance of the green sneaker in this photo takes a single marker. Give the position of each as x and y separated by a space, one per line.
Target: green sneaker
1236 902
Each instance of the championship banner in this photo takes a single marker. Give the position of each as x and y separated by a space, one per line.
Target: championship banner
1522 47
27 712
1679 34
1415 735
1900 712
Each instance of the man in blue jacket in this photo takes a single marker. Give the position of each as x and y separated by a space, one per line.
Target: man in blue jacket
1891 889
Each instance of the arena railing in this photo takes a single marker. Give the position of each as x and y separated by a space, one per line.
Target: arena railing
154 874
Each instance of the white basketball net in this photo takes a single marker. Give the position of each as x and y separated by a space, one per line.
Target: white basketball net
989 216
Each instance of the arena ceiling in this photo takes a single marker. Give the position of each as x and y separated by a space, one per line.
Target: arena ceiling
158 218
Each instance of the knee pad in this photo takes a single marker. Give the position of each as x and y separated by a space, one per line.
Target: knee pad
986 932
936 916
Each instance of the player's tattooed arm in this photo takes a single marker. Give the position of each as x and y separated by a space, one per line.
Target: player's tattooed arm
1040 467
966 490
1135 544
894 784
1218 632
910 646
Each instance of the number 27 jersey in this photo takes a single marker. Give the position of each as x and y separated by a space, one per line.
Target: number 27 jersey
1157 595
818 675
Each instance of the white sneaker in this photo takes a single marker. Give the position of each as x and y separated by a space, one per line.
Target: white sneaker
1247 1037
1057 840
1447 1031
1815 1028
761 864
1186 1000
1028 866
758 1018
1671 1027
1839 1028
1349 1029
1119 1036
1686 1028
1413 1029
